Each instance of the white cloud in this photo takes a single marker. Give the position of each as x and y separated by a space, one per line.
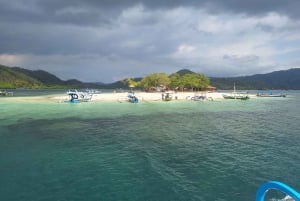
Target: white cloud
185 50
10 59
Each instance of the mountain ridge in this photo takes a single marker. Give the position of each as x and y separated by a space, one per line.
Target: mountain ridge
16 77
281 79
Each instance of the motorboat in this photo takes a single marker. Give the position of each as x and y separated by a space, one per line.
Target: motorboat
270 95
5 93
78 96
132 98
167 96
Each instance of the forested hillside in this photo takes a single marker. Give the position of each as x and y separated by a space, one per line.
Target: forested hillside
10 78
16 77
285 79
40 75
23 78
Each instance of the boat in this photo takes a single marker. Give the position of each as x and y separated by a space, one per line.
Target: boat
5 93
198 98
236 95
77 96
291 194
270 95
132 98
167 96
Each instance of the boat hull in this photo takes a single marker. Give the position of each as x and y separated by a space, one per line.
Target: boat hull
236 97
271 96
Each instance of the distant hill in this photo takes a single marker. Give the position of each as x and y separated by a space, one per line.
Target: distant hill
184 71
15 77
40 75
284 79
10 78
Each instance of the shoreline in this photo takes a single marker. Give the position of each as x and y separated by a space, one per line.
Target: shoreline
123 97
151 96
155 96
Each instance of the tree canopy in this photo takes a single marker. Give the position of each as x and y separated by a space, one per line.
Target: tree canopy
195 81
160 81
154 80
132 83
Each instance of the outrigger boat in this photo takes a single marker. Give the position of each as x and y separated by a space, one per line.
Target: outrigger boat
235 95
132 98
270 95
5 93
77 97
167 96
200 97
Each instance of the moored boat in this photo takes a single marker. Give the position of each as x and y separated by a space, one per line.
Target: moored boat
270 95
236 95
132 98
5 93
167 96
198 98
77 96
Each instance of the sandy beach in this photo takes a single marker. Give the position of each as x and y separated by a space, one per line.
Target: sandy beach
147 97
123 97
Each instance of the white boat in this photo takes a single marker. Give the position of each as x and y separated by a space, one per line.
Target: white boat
132 98
270 94
5 93
236 95
78 96
167 96
199 97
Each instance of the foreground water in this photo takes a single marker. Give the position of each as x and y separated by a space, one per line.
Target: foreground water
208 151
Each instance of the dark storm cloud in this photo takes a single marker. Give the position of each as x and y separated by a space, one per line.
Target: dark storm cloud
250 7
68 36
37 12
95 12
118 38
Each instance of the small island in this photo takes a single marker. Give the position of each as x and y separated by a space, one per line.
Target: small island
181 85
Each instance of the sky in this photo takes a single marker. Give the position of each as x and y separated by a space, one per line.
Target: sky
109 40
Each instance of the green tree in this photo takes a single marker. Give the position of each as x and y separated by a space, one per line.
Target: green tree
132 83
195 81
176 81
203 81
154 80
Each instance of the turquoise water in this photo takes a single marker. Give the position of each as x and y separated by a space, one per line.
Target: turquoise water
159 151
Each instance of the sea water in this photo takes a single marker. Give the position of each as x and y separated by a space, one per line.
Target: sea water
150 151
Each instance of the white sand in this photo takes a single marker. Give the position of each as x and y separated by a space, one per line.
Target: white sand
122 97
147 97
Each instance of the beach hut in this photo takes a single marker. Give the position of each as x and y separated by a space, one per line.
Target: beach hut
210 88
